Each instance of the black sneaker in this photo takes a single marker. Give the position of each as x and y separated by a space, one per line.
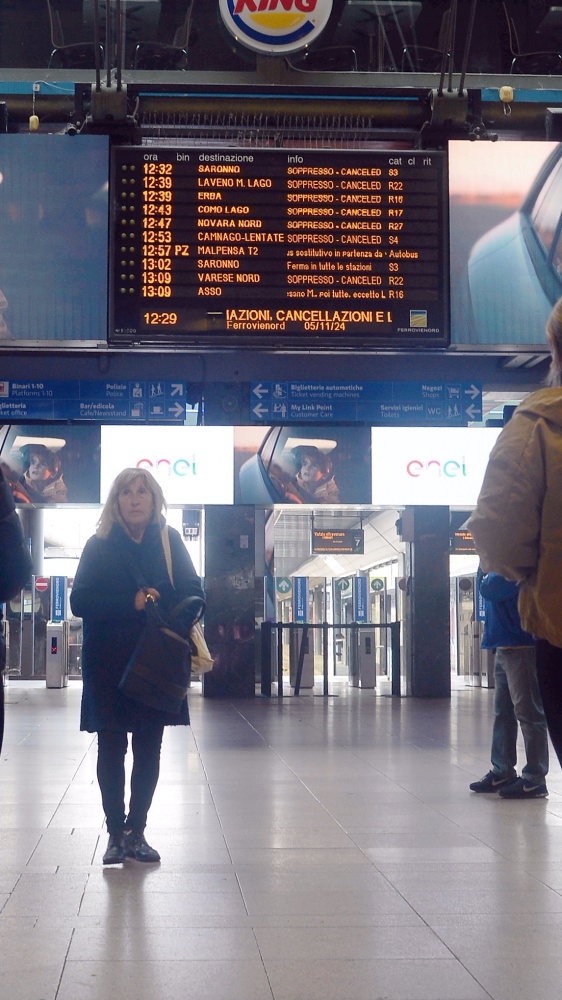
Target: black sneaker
491 782
136 847
115 850
523 789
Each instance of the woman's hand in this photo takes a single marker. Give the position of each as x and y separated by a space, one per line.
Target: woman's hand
141 596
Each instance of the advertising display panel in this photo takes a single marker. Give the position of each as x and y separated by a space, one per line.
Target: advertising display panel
265 247
430 466
505 202
54 225
48 464
194 465
303 465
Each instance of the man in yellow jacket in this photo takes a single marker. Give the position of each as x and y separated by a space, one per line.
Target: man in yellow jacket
517 524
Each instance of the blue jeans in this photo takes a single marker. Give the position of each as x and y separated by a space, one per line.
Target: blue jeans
517 699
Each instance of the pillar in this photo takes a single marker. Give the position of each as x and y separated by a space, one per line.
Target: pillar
230 591
428 649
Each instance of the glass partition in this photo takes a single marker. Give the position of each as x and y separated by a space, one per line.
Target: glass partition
367 36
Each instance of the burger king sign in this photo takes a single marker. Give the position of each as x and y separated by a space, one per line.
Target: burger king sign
275 26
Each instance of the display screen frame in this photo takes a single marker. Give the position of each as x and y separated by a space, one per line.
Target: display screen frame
54 219
503 279
187 322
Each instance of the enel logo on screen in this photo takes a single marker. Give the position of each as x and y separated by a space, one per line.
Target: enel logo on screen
170 467
452 469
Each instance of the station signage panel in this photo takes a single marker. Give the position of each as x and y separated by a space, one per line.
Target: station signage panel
462 543
153 401
345 541
300 600
429 465
192 464
360 605
391 404
266 247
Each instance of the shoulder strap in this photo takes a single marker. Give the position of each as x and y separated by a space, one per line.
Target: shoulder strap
167 553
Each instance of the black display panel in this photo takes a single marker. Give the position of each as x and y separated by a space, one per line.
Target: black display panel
270 247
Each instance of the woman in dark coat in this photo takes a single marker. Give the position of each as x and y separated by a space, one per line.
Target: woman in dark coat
15 569
126 550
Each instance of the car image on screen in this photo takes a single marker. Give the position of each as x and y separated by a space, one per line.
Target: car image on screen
307 465
515 269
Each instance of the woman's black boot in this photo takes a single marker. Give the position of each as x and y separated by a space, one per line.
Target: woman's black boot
115 851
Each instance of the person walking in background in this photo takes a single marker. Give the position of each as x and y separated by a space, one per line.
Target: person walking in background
106 595
516 696
15 569
517 524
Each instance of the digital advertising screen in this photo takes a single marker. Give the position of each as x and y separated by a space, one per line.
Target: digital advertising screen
430 465
48 464
505 203
194 465
302 465
270 247
54 239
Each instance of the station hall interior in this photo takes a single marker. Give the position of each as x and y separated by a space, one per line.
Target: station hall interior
318 837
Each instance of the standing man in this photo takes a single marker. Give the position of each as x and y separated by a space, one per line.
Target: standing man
15 568
516 697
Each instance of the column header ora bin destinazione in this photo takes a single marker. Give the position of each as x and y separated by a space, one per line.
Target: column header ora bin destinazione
272 248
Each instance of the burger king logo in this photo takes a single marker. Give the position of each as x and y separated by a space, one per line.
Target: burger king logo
275 26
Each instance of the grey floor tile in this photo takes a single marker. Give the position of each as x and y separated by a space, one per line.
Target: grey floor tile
190 980
408 979
349 943
311 850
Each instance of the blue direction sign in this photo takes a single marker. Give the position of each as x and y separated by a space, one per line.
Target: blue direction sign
117 400
390 404
360 611
300 603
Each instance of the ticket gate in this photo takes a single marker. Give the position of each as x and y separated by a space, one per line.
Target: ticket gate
480 661
297 639
363 662
56 671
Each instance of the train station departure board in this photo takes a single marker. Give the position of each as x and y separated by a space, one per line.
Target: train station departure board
272 248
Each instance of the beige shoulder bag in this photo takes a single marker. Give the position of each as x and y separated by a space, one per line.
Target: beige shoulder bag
201 659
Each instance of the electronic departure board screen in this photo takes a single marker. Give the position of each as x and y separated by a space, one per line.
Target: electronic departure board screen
271 248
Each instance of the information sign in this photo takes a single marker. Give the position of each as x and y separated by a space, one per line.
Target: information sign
105 401
58 598
300 604
260 246
360 599
345 541
462 543
391 404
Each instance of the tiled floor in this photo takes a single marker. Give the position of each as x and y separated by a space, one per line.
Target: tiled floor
313 849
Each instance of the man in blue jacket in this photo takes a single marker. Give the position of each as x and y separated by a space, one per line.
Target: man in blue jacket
516 697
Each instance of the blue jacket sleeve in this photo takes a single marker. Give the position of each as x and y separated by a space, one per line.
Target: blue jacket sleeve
494 587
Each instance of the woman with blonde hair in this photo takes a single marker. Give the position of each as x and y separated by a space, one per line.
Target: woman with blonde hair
128 548
517 524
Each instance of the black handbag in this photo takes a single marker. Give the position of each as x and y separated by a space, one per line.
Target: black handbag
159 670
